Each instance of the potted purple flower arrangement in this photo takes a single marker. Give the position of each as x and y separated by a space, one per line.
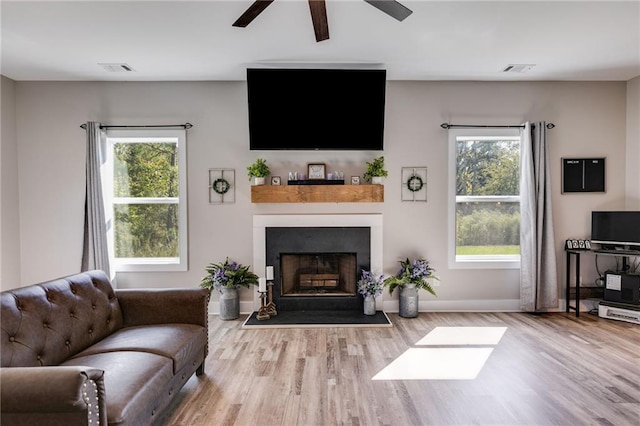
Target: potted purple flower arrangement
370 286
227 277
412 276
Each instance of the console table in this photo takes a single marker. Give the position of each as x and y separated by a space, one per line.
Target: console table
576 253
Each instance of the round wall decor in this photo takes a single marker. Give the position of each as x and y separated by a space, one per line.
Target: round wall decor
221 186
415 183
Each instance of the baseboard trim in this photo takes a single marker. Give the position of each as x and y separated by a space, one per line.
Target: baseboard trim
484 305
246 307
586 305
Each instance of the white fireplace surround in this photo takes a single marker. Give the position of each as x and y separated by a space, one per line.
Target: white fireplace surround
262 222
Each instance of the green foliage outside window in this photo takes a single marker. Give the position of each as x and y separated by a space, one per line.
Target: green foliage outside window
488 227
146 170
487 168
146 230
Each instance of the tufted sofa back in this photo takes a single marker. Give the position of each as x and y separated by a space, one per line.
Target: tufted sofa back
45 324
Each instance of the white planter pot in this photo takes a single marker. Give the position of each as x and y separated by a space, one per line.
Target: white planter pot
377 180
258 180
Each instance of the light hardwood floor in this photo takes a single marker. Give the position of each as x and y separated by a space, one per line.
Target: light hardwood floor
549 369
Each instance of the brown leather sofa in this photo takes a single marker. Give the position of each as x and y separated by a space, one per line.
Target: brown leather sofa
77 352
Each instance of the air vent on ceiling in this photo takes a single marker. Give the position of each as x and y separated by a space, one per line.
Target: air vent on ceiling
116 67
519 68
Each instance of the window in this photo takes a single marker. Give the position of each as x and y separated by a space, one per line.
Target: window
484 214
146 199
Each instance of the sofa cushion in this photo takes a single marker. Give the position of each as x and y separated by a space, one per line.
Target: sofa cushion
132 381
47 323
179 342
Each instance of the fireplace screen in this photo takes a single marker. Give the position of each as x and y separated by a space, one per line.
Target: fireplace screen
318 274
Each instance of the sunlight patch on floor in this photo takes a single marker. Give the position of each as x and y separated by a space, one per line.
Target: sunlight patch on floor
436 364
451 360
463 336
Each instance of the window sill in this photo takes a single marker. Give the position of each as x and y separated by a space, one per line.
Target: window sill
485 262
150 265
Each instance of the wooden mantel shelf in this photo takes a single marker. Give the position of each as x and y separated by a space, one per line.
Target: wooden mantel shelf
317 194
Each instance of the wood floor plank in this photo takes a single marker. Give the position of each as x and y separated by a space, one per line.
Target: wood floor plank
550 369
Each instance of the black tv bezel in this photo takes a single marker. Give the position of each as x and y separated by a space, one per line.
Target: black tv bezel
613 241
373 144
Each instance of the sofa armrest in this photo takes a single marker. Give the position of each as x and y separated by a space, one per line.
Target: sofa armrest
52 396
164 306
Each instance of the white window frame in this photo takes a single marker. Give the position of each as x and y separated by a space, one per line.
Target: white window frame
145 264
476 261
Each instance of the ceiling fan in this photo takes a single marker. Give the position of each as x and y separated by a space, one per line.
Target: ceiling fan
318 10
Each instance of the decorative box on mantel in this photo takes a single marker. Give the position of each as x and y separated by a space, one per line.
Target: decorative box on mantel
317 194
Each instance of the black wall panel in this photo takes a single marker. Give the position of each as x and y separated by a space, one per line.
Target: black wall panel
583 175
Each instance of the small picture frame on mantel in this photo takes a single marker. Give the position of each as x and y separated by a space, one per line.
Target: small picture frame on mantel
316 171
355 180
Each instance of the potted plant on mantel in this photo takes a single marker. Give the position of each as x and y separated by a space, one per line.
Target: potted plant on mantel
375 171
258 171
412 276
227 277
370 286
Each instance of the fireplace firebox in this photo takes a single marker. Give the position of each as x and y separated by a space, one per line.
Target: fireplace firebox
317 268
318 274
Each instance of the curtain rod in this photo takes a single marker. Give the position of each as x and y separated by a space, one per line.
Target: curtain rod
475 126
102 126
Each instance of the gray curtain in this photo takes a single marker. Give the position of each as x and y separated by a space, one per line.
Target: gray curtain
95 253
538 274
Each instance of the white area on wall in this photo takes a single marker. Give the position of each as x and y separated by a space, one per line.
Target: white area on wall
633 145
51 162
9 189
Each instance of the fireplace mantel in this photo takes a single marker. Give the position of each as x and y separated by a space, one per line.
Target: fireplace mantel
317 194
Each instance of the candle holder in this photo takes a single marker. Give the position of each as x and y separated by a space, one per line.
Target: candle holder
271 307
262 312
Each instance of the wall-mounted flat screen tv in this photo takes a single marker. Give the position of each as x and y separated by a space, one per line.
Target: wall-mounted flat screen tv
316 109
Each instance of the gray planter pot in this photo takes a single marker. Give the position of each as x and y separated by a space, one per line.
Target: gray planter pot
369 305
408 301
229 304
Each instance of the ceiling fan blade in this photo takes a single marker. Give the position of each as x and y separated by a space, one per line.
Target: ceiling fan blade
250 14
318 10
391 8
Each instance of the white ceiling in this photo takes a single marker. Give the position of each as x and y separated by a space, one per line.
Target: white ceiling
445 40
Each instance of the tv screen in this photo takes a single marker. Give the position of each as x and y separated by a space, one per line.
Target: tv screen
616 228
316 109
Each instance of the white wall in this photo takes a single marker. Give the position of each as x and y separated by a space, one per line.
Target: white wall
590 120
9 205
633 144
